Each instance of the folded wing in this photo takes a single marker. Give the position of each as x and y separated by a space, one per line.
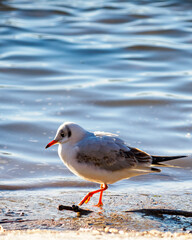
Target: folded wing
110 153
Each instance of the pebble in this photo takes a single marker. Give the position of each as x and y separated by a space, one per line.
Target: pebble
78 214
106 229
113 230
1 229
154 232
96 232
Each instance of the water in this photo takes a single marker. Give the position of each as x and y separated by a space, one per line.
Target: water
117 66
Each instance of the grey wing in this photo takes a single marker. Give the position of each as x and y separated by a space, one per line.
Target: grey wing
110 153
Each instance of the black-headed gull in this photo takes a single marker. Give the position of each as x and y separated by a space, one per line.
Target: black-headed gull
101 157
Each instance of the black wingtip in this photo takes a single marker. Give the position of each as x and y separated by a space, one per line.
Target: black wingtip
155 169
158 159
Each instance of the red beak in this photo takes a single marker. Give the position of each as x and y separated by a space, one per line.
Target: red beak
51 143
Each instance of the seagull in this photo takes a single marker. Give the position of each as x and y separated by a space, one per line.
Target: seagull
102 157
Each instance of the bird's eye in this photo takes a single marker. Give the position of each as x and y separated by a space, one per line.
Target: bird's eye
62 134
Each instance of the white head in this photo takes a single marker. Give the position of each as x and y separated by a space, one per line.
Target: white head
68 131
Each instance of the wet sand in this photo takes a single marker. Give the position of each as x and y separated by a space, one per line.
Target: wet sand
34 215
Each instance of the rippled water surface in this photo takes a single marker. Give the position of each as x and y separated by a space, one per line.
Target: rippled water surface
118 66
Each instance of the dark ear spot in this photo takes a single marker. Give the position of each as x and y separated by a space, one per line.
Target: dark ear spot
68 131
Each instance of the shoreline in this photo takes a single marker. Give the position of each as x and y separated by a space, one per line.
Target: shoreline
90 234
27 215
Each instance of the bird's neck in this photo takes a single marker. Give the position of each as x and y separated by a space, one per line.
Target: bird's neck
78 137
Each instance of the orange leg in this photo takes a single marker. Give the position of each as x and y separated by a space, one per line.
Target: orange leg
100 204
90 194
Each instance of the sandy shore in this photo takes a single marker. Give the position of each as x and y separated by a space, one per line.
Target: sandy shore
111 233
35 215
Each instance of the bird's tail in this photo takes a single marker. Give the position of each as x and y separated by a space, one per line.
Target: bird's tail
158 159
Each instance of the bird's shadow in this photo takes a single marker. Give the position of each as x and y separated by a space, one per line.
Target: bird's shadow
168 217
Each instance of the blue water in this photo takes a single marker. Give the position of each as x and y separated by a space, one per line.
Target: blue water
116 66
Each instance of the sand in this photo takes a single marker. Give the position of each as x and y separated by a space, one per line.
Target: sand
90 234
35 215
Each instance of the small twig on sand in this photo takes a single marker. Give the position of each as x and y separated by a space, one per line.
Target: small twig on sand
76 209
163 211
